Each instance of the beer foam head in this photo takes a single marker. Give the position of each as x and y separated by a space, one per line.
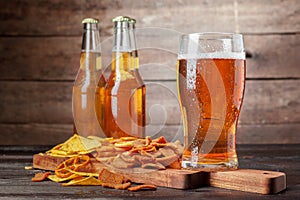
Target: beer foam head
211 46
214 55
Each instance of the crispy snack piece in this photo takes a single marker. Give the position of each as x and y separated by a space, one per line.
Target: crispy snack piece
67 168
83 181
161 139
113 180
119 163
124 144
106 176
40 177
75 145
129 152
28 167
167 151
175 165
122 186
168 160
73 169
58 179
142 187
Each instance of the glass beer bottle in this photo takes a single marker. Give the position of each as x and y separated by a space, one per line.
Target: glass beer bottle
124 93
88 89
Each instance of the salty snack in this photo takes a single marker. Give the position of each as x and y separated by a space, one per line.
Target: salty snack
107 176
90 180
129 152
142 187
113 180
40 176
76 145
106 161
69 170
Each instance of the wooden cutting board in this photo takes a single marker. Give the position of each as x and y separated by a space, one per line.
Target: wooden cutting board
248 180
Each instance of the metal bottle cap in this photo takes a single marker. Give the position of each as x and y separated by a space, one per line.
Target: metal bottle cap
90 21
132 21
121 19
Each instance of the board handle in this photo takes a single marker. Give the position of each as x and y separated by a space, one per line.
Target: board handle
249 180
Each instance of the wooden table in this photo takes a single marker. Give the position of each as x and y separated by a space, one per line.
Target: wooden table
15 181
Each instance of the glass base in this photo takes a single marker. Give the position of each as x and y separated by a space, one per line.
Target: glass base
222 166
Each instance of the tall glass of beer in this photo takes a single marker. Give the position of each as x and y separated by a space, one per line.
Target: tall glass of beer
210 83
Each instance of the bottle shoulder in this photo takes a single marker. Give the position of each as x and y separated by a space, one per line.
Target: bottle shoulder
124 77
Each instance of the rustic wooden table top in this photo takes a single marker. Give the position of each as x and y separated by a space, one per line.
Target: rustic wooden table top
15 181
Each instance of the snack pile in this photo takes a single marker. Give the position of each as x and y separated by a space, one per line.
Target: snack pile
130 152
126 154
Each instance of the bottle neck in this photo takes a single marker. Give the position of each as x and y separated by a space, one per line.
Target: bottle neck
90 59
121 47
91 38
132 37
121 37
134 52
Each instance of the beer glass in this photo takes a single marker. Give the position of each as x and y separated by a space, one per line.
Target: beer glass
210 83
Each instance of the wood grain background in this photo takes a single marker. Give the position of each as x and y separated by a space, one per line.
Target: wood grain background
40 43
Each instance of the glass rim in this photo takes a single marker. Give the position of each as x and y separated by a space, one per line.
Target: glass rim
213 35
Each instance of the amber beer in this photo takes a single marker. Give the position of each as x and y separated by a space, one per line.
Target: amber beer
211 88
125 91
88 88
125 100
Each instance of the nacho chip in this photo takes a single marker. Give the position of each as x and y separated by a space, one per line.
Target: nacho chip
83 181
58 179
75 145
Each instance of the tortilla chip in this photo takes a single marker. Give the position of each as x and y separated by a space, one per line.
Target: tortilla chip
83 181
58 179
75 145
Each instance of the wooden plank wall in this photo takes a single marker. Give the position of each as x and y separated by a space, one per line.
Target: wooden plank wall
39 54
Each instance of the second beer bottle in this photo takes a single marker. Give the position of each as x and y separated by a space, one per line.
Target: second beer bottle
124 91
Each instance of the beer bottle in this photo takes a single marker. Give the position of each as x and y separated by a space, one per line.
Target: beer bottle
88 89
124 94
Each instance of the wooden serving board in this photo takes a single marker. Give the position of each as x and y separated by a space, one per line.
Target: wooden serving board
248 180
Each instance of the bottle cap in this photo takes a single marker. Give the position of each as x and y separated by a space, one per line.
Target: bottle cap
132 21
90 21
121 19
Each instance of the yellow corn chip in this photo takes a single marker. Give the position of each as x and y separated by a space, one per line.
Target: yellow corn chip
83 181
74 145
58 179
28 167
58 152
